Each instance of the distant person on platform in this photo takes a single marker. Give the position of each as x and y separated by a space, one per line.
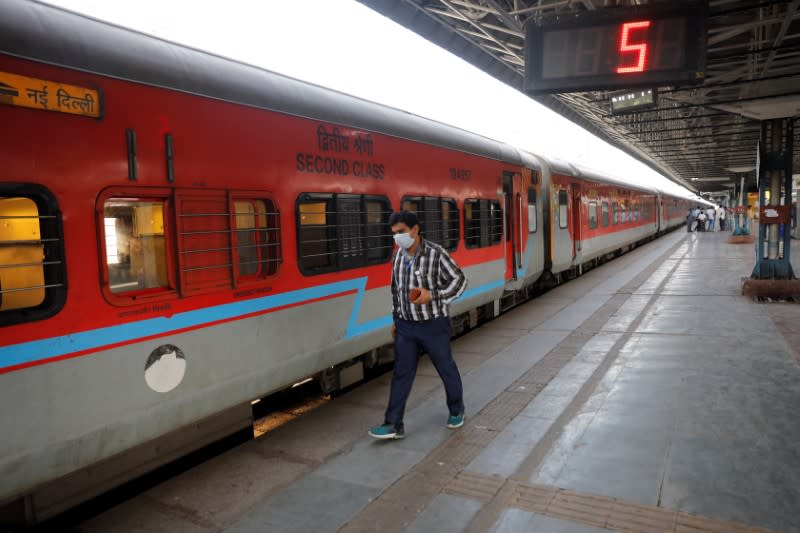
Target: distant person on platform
721 218
691 221
710 213
701 219
425 280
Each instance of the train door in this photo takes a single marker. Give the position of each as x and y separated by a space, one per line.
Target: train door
576 219
659 213
512 194
508 223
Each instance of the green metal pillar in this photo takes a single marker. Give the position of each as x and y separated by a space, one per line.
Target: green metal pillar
775 175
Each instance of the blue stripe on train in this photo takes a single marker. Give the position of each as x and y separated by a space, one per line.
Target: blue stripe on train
32 351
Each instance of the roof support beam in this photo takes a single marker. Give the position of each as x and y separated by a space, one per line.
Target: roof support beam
791 12
478 27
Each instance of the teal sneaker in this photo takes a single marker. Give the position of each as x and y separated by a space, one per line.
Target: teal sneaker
387 431
455 421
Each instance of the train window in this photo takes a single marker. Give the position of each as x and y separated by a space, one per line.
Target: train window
32 277
562 209
592 215
246 238
451 225
532 210
257 237
614 213
636 212
432 214
605 214
316 234
472 223
438 219
379 235
136 256
496 230
342 231
350 232
224 238
481 219
412 204
622 218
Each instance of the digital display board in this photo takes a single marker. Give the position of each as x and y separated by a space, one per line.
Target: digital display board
633 100
617 48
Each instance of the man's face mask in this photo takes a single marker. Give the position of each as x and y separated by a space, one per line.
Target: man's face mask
403 240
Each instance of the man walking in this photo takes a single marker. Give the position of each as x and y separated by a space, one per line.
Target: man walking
425 280
695 221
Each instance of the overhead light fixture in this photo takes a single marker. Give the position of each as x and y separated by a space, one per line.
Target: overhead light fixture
716 178
739 170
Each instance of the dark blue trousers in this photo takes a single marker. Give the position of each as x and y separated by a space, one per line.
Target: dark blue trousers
432 336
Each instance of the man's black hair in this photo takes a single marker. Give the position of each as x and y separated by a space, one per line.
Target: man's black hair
409 218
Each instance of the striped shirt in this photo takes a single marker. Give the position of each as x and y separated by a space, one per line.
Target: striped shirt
432 268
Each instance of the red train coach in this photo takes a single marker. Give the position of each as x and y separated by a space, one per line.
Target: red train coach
181 234
592 215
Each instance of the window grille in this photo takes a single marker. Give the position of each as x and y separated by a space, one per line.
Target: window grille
438 219
483 223
342 231
32 267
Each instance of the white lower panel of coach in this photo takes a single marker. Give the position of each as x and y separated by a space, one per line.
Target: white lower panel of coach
67 415
605 244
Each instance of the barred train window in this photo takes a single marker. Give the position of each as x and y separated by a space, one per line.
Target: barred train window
496 227
614 213
483 223
341 231
257 237
32 278
592 215
438 219
532 210
562 209
451 225
219 242
135 248
605 214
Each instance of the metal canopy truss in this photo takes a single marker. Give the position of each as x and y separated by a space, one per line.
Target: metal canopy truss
696 133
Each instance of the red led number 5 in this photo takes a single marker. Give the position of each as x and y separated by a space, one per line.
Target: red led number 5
625 46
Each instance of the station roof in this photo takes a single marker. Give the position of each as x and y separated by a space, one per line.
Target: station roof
703 136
